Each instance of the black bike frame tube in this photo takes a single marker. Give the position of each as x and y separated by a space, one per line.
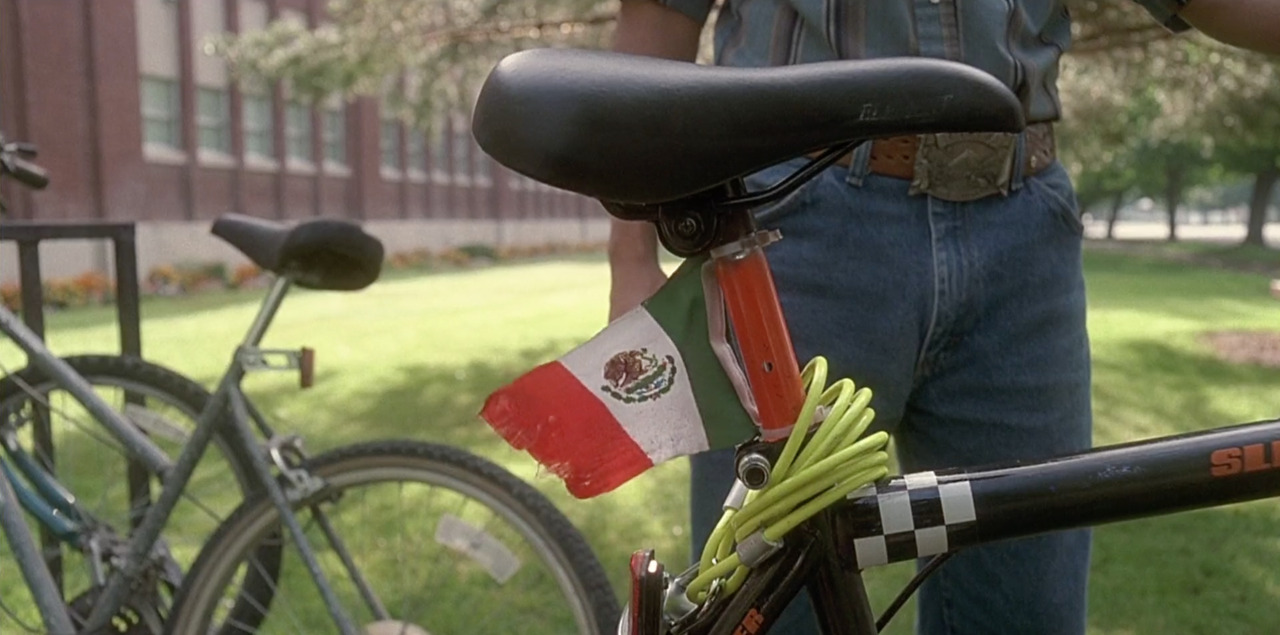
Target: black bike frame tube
809 558
1115 483
756 606
836 588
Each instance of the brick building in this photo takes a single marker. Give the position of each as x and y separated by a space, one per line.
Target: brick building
136 122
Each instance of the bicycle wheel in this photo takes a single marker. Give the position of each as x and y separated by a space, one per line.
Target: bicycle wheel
447 542
92 465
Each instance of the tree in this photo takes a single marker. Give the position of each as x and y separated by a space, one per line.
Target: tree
1132 121
420 56
1100 133
1245 123
1164 113
1105 28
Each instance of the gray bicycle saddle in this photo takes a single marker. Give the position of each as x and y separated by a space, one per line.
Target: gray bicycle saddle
633 129
319 253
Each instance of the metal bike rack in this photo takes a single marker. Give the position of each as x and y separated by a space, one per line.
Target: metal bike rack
28 236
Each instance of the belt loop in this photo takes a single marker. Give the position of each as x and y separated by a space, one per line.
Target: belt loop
1018 174
858 164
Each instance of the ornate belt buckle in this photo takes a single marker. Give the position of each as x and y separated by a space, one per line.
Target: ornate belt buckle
964 167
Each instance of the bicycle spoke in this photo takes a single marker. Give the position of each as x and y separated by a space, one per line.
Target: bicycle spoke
362 585
393 563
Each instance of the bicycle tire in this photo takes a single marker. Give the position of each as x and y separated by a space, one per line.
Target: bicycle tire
170 409
424 596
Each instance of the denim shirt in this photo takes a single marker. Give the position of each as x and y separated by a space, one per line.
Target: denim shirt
1017 41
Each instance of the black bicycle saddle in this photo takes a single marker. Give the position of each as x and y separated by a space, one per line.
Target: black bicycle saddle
320 253
631 129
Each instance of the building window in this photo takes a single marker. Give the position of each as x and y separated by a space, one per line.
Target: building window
259 137
297 132
213 119
461 152
415 152
439 155
389 143
335 136
161 113
482 172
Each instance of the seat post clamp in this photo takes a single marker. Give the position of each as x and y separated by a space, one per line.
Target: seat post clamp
740 249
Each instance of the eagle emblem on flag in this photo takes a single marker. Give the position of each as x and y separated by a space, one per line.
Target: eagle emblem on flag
637 376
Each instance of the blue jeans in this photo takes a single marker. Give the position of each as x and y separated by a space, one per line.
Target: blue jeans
967 320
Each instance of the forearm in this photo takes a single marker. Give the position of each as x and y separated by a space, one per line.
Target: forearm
648 28
1250 24
632 243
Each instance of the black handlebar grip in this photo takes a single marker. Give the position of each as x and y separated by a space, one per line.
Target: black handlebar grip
29 174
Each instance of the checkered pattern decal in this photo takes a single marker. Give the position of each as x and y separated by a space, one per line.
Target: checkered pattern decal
917 517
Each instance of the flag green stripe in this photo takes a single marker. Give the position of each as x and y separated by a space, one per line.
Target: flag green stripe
679 308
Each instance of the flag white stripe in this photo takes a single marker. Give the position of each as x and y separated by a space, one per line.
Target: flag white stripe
664 426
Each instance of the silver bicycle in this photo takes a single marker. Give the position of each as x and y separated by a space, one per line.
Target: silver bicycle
146 531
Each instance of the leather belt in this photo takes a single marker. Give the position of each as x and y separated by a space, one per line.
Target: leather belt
896 156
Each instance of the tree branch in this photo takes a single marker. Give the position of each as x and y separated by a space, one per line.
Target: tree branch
501 30
1128 37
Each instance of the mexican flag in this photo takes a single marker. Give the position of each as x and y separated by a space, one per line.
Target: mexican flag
658 383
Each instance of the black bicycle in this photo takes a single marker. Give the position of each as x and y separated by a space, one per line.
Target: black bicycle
815 508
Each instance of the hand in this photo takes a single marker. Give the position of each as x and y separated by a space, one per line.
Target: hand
631 284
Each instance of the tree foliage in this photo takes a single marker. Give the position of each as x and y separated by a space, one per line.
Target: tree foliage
420 56
1145 111
1157 114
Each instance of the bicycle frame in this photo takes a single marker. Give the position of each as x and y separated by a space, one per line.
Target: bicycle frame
45 495
931 513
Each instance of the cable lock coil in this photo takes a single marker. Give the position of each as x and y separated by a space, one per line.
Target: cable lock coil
811 474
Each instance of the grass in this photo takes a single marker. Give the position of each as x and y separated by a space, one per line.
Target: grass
415 357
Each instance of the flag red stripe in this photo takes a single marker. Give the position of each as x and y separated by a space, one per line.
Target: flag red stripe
567 429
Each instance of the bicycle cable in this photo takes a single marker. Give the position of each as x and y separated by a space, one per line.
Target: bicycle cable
907 591
812 473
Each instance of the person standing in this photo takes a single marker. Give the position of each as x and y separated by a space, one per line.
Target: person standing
942 271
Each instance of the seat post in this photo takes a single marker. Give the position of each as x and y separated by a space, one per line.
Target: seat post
759 326
270 304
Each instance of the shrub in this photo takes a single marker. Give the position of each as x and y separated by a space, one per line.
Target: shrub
415 259
11 296
164 280
199 276
186 277
63 293
94 287
246 275
454 256
476 251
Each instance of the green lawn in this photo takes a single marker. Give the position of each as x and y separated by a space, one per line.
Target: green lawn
415 355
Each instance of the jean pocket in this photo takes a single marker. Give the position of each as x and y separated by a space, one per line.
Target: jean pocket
771 213
1054 190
